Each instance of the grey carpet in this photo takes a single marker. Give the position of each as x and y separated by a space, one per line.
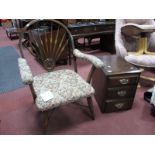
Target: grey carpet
9 72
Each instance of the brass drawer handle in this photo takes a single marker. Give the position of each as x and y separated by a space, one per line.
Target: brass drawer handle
121 93
119 105
124 81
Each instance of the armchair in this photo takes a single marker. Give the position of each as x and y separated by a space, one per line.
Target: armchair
62 86
135 42
130 33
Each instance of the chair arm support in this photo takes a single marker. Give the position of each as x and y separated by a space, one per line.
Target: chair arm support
92 59
25 71
120 49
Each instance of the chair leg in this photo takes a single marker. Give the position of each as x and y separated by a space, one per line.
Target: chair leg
32 91
47 115
90 105
46 120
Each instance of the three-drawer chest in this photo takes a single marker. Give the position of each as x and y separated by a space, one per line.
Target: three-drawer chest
115 85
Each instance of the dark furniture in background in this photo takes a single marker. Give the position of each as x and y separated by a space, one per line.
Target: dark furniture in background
93 28
14 27
116 84
79 28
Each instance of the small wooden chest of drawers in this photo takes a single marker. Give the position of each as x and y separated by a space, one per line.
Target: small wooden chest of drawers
115 85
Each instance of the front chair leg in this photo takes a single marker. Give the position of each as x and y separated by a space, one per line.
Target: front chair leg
90 105
46 120
47 115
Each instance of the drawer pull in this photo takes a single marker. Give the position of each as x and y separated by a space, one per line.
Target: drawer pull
119 105
124 81
121 93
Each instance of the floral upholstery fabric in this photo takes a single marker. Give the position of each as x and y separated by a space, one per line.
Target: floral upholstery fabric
92 59
141 60
25 71
65 85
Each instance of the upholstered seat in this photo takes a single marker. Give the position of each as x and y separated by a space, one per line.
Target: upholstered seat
65 85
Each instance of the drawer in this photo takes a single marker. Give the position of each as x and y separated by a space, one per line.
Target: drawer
84 30
105 28
117 105
123 80
121 92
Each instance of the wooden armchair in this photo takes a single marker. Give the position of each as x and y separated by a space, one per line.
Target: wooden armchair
62 86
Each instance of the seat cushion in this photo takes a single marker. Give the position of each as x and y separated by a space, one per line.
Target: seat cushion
141 60
65 85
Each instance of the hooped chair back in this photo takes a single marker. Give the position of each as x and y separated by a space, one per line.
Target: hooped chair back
49 41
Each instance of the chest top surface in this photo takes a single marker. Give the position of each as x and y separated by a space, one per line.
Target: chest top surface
115 65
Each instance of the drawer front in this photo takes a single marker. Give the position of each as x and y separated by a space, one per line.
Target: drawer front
84 30
91 29
112 106
123 80
121 92
105 28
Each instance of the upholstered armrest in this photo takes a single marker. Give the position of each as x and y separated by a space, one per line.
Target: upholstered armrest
92 59
25 71
132 29
120 49
141 60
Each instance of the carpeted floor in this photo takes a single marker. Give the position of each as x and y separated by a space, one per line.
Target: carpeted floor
10 78
19 115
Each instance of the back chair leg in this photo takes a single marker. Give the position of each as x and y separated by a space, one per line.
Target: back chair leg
90 105
32 91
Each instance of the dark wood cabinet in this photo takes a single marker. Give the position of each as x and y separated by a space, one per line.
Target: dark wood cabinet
104 30
107 42
116 84
90 29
